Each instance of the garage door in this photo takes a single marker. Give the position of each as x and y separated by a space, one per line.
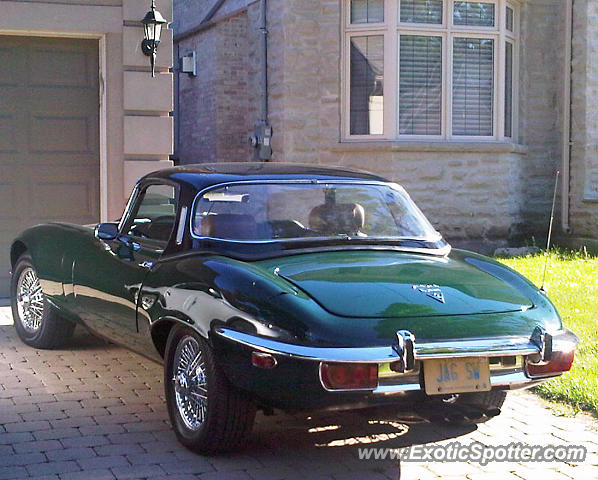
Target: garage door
49 136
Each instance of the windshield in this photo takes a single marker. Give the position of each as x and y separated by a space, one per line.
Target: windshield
292 211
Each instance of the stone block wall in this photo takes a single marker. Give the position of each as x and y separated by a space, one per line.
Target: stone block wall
541 88
584 121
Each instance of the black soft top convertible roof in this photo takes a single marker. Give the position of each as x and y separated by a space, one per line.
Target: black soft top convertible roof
204 175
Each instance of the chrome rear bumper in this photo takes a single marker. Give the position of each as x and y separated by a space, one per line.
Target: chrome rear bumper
509 346
472 347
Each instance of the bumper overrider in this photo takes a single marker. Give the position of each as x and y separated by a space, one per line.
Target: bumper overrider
514 361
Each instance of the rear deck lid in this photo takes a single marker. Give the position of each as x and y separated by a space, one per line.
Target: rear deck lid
383 284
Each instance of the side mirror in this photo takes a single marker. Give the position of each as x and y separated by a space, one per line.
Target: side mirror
106 231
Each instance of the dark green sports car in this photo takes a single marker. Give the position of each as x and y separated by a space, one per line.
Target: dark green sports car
290 287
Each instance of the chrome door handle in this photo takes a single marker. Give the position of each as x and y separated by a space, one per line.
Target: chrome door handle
146 264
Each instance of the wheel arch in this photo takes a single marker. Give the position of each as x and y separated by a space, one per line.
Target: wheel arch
17 249
161 329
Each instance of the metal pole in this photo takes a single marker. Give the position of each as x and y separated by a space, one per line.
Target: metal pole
547 254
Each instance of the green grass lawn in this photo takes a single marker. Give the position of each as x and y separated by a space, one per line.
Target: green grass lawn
572 285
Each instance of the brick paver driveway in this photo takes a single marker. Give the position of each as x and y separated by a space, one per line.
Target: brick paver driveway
95 411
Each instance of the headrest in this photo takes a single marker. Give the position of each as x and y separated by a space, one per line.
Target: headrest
229 226
337 218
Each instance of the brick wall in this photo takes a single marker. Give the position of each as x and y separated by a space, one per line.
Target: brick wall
219 107
196 114
231 90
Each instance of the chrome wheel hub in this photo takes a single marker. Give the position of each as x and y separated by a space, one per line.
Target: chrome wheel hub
190 384
30 300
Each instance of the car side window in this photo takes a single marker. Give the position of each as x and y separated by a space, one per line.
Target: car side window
153 214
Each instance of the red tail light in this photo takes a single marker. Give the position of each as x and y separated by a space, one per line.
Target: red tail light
263 360
349 376
560 362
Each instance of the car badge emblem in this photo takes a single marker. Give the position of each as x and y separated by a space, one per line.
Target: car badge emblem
432 291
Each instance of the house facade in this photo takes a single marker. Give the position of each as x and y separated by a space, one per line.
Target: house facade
81 117
472 106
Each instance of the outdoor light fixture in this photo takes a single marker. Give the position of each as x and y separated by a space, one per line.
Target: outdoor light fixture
152 28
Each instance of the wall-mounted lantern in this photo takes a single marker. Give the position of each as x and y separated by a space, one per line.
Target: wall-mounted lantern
152 29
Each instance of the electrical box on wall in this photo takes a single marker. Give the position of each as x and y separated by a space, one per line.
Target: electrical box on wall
189 64
262 142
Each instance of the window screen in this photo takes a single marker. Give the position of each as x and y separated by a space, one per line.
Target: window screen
477 14
473 86
367 11
421 11
508 89
367 85
420 85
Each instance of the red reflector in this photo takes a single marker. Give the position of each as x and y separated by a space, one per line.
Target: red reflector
349 376
560 362
263 360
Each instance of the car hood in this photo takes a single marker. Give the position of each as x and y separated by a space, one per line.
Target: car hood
385 284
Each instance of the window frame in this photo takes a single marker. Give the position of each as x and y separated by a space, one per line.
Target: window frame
392 29
132 208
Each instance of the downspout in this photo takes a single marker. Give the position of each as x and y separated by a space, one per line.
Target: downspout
263 131
264 60
566 140
176 106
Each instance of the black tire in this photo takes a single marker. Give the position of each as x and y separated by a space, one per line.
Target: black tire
228 416
491 400
477 407
463 409
44 328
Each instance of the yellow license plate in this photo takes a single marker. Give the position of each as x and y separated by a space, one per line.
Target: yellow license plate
456 375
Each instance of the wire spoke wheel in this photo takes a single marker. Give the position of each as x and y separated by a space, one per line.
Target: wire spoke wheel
190 383
30 300
207 412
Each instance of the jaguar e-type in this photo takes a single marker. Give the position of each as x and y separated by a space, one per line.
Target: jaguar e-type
283 286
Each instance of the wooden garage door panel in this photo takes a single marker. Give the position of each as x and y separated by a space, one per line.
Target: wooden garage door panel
63 100
78 200
49 136
12 66
8 137
8 204
63 68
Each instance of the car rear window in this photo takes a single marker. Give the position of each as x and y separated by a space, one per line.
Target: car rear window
307 210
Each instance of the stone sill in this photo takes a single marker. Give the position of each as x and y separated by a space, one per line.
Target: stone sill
590 198
426 146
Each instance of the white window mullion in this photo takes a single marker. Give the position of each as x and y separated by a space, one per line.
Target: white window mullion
345 104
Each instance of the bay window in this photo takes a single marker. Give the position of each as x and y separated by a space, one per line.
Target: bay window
430 69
